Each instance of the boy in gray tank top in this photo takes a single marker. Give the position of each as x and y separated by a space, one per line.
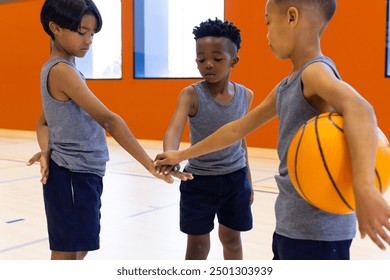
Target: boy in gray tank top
314 86
71 133
221 184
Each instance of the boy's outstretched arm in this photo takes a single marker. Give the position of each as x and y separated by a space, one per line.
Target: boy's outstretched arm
360 128
250 95
226 135
185 107
69 82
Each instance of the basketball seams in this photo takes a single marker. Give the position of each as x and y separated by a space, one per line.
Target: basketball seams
378 177
330 115
326 165
319 165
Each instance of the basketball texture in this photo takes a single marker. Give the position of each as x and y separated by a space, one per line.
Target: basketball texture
319 164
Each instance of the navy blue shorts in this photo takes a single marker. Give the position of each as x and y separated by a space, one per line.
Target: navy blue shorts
72 205
227 196
285 248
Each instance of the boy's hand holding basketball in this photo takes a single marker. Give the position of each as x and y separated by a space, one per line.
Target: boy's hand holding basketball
43 158
373 214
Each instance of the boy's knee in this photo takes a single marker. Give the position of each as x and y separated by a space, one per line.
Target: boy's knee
232 241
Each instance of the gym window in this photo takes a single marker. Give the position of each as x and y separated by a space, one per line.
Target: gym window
104 58
164 46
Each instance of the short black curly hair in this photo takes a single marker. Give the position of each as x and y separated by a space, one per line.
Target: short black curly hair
218 28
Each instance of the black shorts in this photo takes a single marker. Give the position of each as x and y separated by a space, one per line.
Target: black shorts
227 196
72 205
285 248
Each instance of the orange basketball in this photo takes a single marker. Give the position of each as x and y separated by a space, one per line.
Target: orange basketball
319 164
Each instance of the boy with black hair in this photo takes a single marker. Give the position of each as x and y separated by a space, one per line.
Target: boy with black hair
222 181
314 86
71 133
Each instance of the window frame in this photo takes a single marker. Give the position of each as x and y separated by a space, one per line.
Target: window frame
387 41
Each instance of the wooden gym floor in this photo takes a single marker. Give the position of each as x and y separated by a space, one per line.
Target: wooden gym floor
140 214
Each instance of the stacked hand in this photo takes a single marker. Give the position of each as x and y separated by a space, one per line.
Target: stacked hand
164 172
170 169
168 160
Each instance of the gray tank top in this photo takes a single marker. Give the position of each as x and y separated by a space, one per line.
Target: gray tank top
212 115
295 218
77 141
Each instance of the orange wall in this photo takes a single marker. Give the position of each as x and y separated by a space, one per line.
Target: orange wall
355 40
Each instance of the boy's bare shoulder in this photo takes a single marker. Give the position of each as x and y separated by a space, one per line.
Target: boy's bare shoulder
188 92
189 99
63 71
317 68
249 96
249 92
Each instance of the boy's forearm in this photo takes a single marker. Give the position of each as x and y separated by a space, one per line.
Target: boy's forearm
222 138
362 137
42 132
245 147
118 129
171 141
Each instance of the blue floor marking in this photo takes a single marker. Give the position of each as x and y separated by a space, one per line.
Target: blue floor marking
15 221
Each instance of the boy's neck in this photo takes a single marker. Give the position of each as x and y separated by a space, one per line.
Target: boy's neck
58 52
302 56
71 59
218 88
222 93
299 62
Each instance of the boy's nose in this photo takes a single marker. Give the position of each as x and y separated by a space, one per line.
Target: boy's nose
209 64
89 40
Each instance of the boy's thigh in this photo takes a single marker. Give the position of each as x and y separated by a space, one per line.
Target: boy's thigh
235 211
198 205
72 204
285 248
228 196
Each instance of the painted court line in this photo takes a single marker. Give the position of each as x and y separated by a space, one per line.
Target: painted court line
15 221
18 179
23 245
153 209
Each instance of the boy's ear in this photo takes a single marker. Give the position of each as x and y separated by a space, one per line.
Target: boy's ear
292 16
54 27
235 61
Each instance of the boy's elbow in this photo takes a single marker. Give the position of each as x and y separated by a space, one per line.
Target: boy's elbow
108 122
236 130
365 112
358 108
370 111
40 124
